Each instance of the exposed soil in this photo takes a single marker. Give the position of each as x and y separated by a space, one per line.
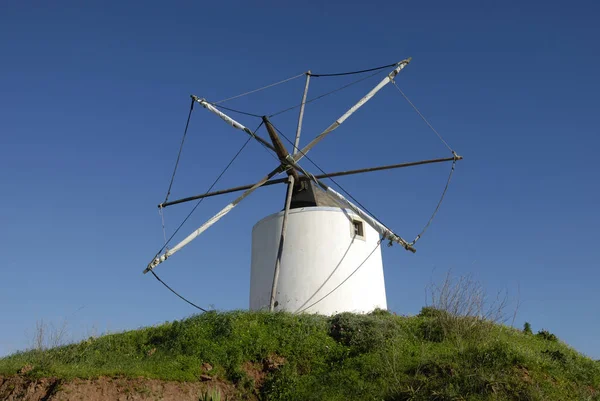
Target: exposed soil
21 388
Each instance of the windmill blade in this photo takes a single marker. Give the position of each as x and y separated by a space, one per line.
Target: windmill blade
383 230
232 122
159 259
301 153
327 175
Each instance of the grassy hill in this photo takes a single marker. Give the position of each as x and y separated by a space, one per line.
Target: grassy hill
380 356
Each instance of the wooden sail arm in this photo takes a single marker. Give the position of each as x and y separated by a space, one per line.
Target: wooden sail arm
158 259
232 122
336 174
301 153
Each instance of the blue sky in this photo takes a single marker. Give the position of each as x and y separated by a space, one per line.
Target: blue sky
93 101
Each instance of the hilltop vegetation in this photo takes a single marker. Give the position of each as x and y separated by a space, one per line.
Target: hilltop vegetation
433 356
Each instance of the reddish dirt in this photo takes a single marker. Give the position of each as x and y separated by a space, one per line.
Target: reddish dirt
525 374
273 362
258 371
21 388
254 371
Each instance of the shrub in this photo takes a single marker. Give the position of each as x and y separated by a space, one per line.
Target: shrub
380 312
556 355
433 330
363 333
430 311
440 325
477 373
527 328
546 335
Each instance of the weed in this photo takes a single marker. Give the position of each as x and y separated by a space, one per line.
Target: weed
212 395
464 296
143 390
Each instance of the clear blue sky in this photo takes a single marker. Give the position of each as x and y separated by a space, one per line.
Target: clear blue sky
93 100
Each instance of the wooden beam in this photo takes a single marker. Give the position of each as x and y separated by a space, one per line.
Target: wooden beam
337 174
231 121
288 202
301 115
280 149
288 199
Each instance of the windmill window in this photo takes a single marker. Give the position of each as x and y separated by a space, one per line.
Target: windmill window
358 228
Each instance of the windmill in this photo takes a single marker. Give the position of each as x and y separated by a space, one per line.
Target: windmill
321 253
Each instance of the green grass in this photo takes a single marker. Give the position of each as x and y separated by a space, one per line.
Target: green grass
364 357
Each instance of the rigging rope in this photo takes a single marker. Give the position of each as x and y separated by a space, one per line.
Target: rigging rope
176 293
325 94
423 117
187 217
298 76
187 124
353 72
300 104
438 205
377 71
260 89
451 168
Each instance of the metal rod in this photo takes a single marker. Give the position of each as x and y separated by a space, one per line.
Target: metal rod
337 174
288 202
301 115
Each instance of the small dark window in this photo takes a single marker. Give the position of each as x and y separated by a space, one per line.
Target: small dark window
358 228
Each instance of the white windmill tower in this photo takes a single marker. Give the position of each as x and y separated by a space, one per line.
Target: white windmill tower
321 253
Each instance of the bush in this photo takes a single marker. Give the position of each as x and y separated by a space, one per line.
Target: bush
432 329
380 312
546 335
430 311
527 328
363 333
440 325
477 373
555 355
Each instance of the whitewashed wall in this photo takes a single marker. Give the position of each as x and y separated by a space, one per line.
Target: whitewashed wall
320 251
